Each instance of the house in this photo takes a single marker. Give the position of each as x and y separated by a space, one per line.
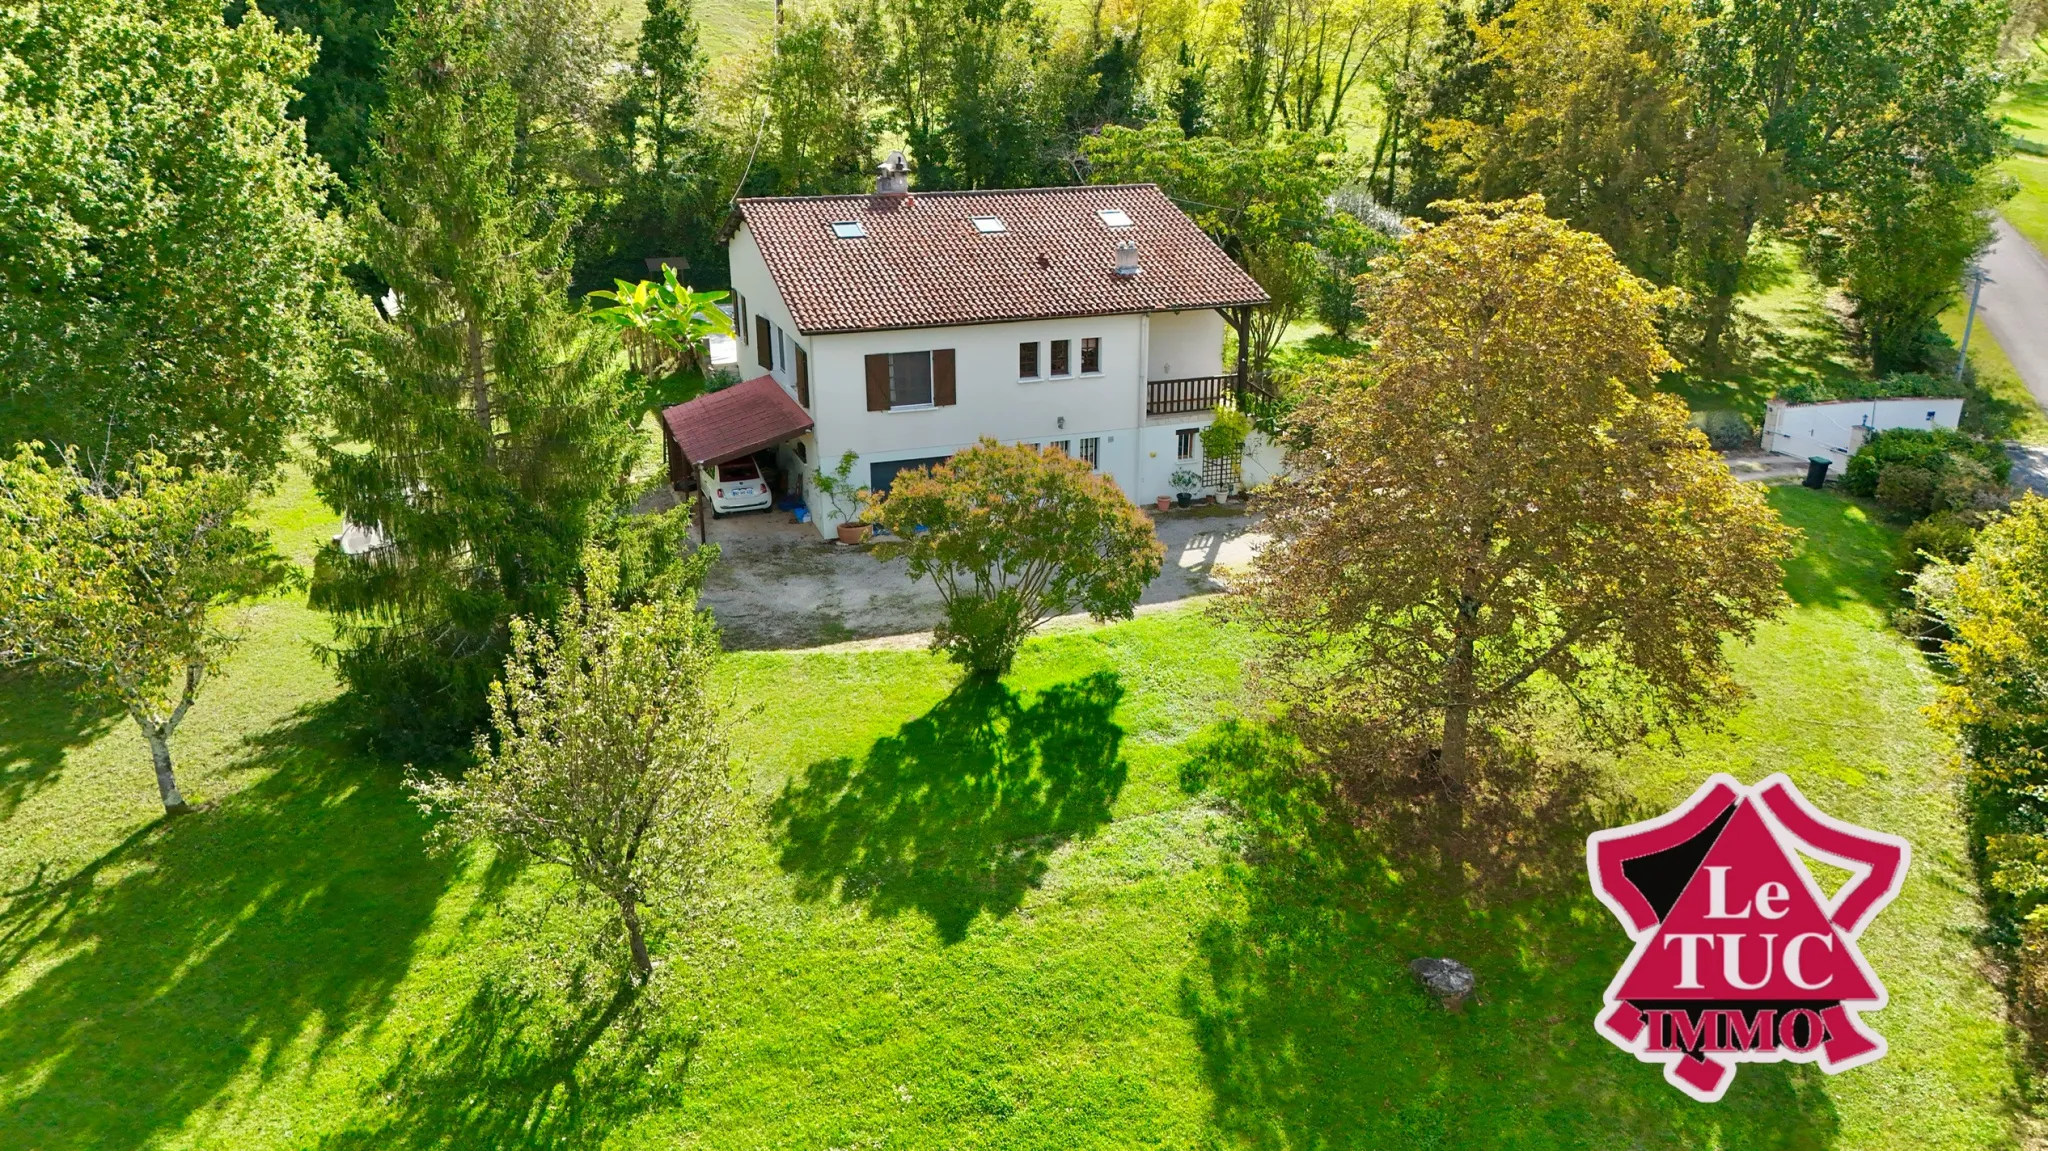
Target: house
1836 428
904 326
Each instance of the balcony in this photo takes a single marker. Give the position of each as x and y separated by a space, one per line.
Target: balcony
1202 393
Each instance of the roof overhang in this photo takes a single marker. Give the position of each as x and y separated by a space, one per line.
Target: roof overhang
735 422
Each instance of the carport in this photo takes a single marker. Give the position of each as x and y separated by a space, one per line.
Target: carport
726 425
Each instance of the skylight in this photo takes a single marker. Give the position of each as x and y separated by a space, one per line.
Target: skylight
986 225
1115 217
848 229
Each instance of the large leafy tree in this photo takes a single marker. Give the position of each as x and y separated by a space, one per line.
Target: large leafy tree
1498 494
119 581
1994 606
1264 203
481 426
976 90
816 94
346 83
609 754
166 256
1012 537
1612 124
1676 131
666 195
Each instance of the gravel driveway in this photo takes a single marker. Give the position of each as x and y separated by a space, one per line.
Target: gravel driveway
776 585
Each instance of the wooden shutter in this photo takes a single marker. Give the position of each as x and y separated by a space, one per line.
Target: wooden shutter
944 394
803 378
878 382
761 338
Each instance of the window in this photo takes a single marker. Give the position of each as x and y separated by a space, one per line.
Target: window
1063 447
1091 450
781 348
987 225
802 456
1028 444
743 317
1059 358
1027 360
765 347
1091 355
913 380
848 229
1184 443
1114 218
910 379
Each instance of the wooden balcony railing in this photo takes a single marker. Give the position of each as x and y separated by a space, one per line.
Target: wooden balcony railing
1202 393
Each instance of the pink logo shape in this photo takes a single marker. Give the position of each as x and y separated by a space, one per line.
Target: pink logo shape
1740 957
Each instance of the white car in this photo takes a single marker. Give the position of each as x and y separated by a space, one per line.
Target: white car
735 486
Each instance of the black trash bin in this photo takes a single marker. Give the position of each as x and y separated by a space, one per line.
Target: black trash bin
1817 471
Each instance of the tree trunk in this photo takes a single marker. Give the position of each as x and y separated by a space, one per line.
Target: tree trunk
166 783
1453 758
479 381
636 938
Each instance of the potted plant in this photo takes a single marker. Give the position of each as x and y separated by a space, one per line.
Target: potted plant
1165 502
846 497
1185 482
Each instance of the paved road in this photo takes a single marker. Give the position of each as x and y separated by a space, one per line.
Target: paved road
2014 308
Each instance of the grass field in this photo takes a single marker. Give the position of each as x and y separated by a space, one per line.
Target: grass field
966 917
2025 108
1792 337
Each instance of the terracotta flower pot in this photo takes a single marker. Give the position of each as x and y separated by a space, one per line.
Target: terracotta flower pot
1165 502
852 533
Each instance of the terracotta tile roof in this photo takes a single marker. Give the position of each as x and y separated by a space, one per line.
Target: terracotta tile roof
923 263
736 421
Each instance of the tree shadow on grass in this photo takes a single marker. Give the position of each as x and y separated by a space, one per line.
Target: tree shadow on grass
1314 1034
955 814
525 1066
41 717
206 944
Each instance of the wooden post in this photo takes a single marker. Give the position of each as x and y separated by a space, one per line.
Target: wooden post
1242 321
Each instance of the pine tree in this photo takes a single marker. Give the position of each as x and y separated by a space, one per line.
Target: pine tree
480 425
664 198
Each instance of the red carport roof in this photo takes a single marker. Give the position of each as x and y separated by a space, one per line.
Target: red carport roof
735 422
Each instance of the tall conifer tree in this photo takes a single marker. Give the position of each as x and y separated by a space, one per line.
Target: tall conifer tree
480 426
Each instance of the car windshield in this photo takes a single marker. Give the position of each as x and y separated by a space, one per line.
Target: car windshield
737 470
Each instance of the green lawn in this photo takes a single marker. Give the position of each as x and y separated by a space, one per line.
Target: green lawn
1792 338
966 918
2025 108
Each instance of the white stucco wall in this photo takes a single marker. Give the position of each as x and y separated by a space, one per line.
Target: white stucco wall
1836 429
1109 405
1184 344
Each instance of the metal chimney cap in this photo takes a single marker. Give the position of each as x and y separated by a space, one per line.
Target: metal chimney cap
1127 259
892 177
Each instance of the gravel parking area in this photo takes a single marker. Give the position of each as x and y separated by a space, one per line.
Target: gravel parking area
777 585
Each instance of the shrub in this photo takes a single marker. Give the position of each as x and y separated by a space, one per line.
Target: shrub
1013 536
1942 537
1930 449
1726 430
1893 386
1906 488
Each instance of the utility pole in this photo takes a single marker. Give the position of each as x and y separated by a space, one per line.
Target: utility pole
1976 277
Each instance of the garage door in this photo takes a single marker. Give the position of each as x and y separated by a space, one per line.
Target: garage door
880 476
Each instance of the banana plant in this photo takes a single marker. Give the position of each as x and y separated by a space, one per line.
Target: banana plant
664 326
